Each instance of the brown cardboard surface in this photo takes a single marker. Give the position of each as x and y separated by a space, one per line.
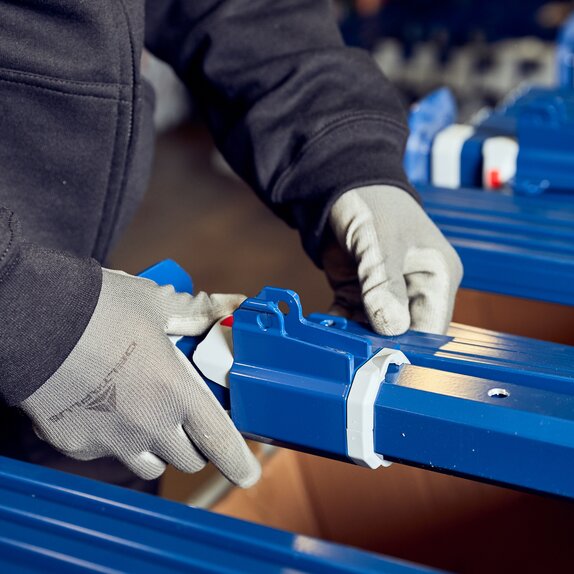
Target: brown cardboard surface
280 499
534 319
447 522
381 508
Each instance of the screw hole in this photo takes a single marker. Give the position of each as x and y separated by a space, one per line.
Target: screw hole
498 393
284 307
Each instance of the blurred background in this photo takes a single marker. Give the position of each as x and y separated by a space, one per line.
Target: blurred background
198 213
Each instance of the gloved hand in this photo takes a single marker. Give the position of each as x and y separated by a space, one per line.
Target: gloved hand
126 391
389 264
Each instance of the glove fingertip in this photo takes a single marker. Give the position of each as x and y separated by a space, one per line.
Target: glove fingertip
251 475
391 322
145 465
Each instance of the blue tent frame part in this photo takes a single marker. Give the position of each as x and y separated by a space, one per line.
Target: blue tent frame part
477 403
55 522
520 241
473 402
509 244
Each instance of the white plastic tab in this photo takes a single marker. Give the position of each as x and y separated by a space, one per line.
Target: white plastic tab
214 355
499 157
361 407
445 155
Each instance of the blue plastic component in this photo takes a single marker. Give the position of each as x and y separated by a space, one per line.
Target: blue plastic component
291 378
55 522
427 118
565 55
471 161
168 272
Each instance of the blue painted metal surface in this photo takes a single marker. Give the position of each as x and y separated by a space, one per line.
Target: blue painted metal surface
545 133
54 522
292 375
481 404
509 244
565 54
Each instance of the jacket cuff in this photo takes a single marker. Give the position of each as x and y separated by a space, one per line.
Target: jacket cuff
46 301
356 151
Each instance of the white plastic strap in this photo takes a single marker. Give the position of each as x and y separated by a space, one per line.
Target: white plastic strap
445 155
361 407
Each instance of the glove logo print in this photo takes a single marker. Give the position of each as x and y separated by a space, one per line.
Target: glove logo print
103 397
105 401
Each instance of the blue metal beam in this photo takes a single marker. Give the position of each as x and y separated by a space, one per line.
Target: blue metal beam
474 402
482 404
54 522
510 244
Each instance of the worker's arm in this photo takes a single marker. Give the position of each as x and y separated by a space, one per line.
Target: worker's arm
298 115
85 352
46 301
304 119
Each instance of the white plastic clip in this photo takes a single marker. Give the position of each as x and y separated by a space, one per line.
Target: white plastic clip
361 407
214 355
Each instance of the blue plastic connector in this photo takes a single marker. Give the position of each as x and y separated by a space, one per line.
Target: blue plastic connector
426 119
291 377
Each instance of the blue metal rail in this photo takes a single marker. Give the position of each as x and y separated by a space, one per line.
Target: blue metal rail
54 522
473 402
510 244
495 407
481 404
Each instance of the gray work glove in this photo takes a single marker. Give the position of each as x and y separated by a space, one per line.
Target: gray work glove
389 264
126 391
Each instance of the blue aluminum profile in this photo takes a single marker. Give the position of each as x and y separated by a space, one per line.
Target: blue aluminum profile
55 522
494 407
481 404
509 244
545 133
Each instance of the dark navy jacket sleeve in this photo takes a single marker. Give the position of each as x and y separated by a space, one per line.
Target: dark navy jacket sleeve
47 299
298 115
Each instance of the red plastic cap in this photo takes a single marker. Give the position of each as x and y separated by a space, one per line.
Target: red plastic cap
494 180
227 322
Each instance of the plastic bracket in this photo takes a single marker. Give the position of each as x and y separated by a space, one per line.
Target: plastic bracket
361 407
